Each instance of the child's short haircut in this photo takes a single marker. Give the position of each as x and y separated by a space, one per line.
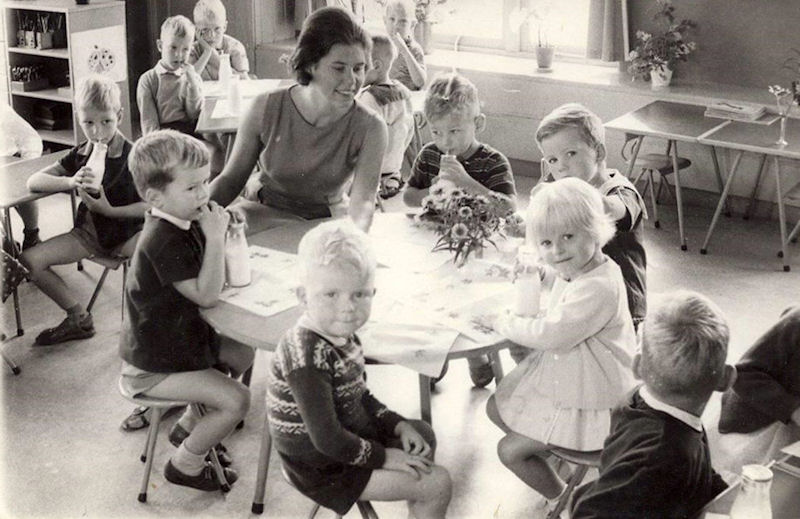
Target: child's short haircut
155 157
451 92
99 92
574 115
684 345
205 10
383 47
323 29
177 26
568 203
409 7
338 242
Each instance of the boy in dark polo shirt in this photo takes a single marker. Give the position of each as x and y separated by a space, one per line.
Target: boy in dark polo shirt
169 352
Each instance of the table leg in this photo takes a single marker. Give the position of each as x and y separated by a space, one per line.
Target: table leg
263 467
14 294
497 366
781 216
425 398
229 139
728 183
678 194
635 153
718 174
752 203
74 203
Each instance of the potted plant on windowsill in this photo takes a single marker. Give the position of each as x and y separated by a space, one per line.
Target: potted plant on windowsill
655 56
537 17
427 12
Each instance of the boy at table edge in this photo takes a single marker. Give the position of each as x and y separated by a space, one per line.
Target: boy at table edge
655 461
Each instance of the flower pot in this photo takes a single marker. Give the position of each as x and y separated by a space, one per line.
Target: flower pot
423 35
660 78
544 57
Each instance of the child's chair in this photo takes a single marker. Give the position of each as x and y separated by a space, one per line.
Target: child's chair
158 407
109 263
583 461
652 163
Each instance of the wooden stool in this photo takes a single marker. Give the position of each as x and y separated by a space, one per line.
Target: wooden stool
158 406
650 164
583 461
364 507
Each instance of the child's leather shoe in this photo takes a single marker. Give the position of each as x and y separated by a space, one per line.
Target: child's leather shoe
206 480
177 434
481 374
69 330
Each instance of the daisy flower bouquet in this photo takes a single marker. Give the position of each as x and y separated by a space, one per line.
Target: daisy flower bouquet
467 223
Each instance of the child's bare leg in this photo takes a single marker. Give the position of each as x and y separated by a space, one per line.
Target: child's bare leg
237 356
428 496
59 250
525 457
225 399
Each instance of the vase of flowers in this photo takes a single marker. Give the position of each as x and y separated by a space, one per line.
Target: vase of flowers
467 223
784 99
537 18
656 55
427 12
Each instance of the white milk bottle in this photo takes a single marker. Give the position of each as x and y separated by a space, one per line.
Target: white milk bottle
225 71
237 256
234 95
752 501
528 284
97 163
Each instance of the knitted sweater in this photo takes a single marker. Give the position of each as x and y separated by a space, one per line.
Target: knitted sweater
318 402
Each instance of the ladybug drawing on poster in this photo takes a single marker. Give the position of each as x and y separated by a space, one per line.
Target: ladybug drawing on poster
100 51
101 60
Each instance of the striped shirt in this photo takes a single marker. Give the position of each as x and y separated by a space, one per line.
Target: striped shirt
487 166
317 401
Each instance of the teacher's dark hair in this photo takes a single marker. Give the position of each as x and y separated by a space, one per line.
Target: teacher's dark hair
322 30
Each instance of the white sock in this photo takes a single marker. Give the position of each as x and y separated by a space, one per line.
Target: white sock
188 462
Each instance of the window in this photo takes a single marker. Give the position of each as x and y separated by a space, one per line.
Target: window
491 24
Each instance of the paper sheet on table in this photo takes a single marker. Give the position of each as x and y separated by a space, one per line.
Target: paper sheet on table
266 295
248 87
421 348
222 109
401 244
474 319
792 450
274 262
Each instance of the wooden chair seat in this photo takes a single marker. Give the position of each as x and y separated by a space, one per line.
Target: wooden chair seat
660 162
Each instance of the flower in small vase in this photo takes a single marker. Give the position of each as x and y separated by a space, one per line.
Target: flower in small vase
662 51
784 98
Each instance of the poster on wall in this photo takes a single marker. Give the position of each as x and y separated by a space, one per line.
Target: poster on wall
100 51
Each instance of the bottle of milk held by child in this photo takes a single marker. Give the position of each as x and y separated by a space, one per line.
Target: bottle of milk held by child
97 163
237 256
528 284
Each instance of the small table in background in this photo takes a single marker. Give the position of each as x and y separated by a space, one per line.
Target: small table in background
674 122
14 175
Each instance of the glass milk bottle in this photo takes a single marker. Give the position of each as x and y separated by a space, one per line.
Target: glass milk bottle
752 501
237 256
234 95
225 71
97 163
528 284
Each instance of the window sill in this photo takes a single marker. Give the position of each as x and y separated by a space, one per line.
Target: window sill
607 78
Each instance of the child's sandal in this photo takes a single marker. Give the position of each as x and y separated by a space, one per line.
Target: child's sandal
138 419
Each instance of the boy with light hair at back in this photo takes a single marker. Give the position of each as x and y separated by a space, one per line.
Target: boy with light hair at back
389 98
210 19
656 460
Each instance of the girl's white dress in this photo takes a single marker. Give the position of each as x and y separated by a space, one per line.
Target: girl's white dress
579 367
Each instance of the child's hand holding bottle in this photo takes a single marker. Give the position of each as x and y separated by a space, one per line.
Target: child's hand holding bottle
450 169
214 221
